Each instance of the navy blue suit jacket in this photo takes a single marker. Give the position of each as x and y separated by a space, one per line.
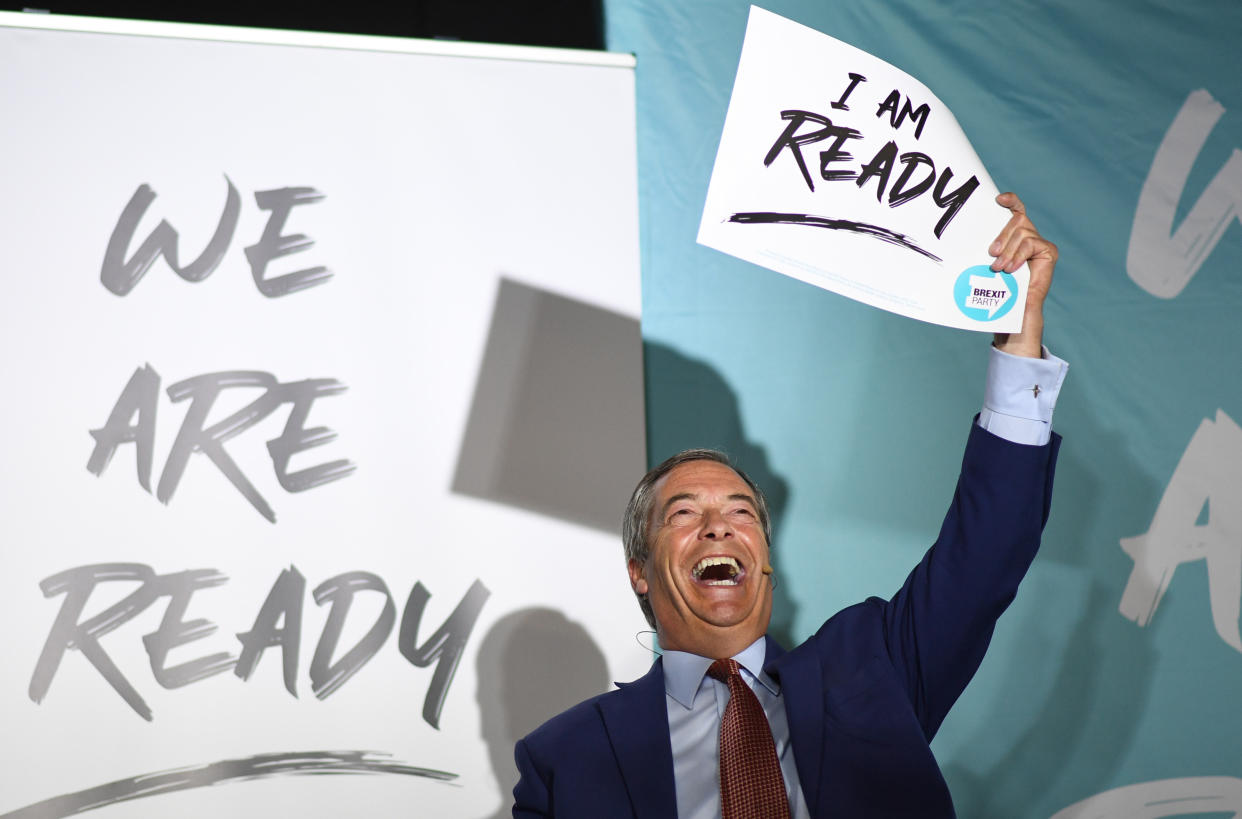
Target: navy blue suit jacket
864 695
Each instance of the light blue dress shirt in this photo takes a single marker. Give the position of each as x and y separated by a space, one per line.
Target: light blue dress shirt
696 704
1018 402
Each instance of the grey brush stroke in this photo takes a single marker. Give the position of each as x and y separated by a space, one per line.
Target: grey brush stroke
261 766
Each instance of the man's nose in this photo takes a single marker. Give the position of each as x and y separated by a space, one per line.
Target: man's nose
715 526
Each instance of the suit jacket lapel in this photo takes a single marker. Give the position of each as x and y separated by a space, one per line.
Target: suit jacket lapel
637 725
801 682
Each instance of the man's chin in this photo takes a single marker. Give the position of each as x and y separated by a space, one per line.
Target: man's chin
729 615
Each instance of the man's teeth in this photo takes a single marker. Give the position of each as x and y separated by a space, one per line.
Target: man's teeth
717 571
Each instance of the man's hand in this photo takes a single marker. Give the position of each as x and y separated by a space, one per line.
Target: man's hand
1020 242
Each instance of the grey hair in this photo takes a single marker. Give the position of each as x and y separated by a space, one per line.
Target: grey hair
637 523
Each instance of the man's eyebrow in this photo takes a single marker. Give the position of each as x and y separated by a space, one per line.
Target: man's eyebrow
680 496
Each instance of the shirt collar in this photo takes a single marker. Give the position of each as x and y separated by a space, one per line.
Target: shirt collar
684 672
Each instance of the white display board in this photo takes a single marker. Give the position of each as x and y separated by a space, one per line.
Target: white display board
251 290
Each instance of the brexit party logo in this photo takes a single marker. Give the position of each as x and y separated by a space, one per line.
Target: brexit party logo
984 294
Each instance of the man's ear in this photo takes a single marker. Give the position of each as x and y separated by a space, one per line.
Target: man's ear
638 576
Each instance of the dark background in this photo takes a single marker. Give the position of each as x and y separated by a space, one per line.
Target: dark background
557 23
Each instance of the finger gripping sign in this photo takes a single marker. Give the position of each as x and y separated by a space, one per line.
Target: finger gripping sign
842 171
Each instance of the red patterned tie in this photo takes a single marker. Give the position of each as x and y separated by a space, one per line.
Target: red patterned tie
751 785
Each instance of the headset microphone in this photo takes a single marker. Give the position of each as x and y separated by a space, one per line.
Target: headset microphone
767 569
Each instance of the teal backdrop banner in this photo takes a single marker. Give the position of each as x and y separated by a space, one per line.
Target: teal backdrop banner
1112 686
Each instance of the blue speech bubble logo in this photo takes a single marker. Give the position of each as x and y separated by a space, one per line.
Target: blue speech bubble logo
984 294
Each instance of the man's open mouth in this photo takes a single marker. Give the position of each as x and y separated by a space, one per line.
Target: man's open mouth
718 571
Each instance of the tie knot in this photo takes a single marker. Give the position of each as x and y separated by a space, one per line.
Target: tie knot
724 669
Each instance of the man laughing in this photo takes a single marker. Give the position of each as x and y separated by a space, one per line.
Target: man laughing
727 724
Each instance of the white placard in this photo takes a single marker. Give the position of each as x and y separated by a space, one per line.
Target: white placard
842 171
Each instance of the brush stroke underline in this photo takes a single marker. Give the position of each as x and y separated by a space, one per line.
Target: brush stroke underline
214 773
875 231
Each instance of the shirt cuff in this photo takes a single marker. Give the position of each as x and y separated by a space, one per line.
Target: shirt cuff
1020 396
